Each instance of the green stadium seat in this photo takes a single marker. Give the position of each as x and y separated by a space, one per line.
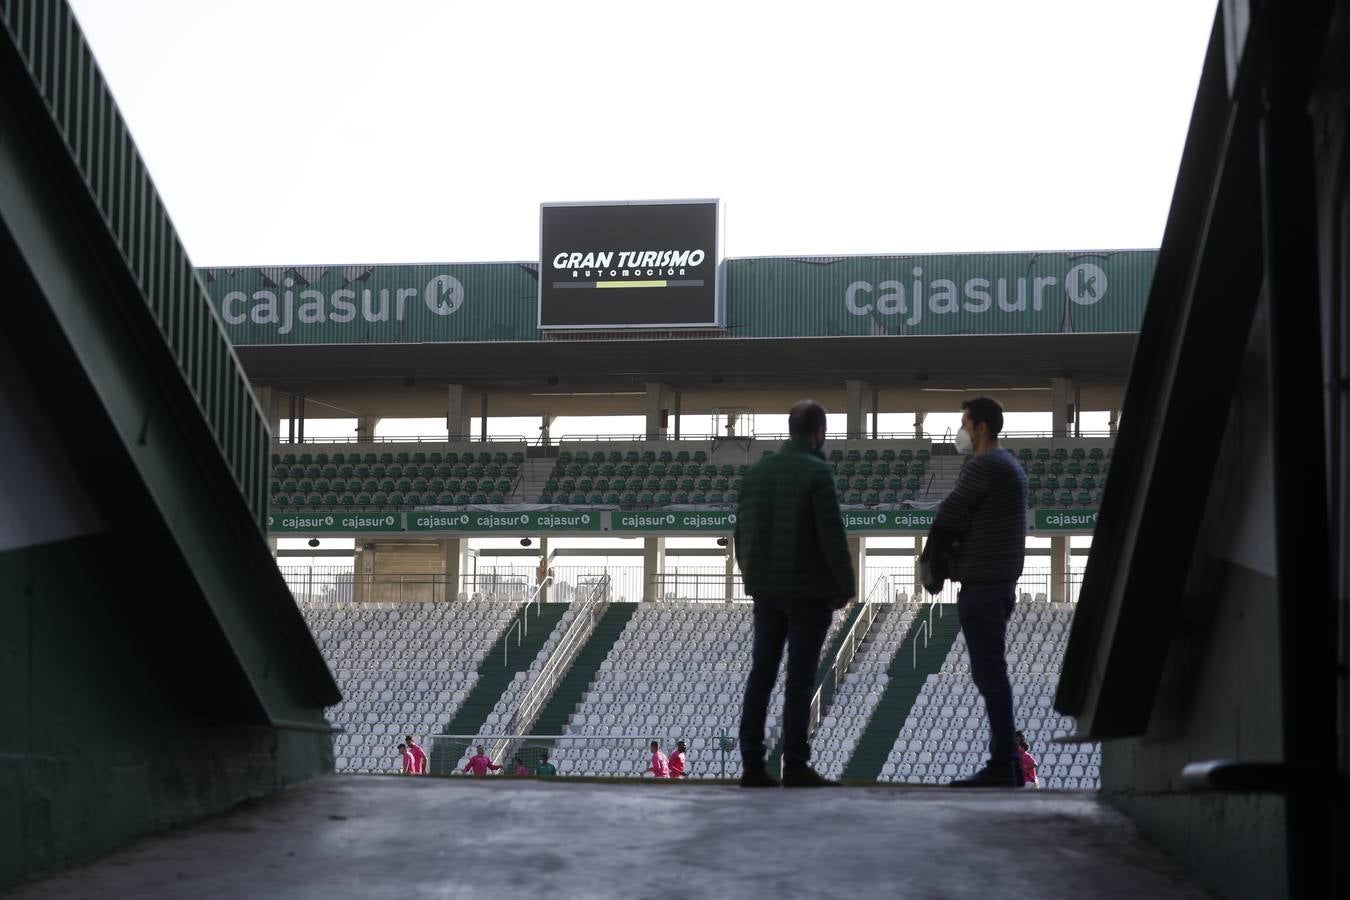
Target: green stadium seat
742 469
700 456
445 499
608 470
1078 454
436 485
500 458
628 498
1057 468
403 485
420 485
1052 482
321 459
330 499
601 483
1085 498
846 468
379 498
682 456
313 471
631 457
687 484
721 484
731 497
480 498
1074 468
666 456
451 458
625 469
870 455
546 497
564 456
304 486
435 457
907 496
379 470
1069 483
700 497
582 457
518 458
275 487
276 459
841 486
454 486
1095 453
280 501
854 498
651 483
912 484
1038 468
1024 454
346 471
403 457
1043 454
590 470
906 454
645 498
1092 469
895 484
680 497
659 469
662 498
397 498
1047 497
1061 454
1088 483
364 499
1065 497
853 455
477 470
836 456
923 455
611 498
495 497
322 484
585 485
888 455
305 459
649 456
347 499
669 484
1034 483
888 497
419 457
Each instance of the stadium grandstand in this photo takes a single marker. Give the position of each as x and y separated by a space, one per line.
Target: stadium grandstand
495 503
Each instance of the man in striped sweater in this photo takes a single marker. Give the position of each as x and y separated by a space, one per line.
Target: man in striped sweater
987 512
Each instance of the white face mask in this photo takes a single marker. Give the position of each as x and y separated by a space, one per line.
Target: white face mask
963 442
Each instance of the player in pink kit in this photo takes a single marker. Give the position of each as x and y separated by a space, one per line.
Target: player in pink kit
419 755
677 760
480 763
660 767
1028 762
409 761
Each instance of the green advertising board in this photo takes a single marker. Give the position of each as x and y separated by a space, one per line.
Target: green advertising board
905 521
525 522
1065 520
770 297
700 522
333 523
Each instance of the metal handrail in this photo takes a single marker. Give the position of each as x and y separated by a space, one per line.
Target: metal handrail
409 439
559 662
848 649
521 626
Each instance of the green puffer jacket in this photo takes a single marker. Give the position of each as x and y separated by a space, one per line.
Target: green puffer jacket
790 539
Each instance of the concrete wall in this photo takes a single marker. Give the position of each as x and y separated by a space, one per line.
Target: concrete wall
1219 696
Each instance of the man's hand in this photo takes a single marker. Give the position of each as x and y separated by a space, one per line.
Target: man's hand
840 602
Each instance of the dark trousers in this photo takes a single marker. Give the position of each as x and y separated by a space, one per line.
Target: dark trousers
984 610
801 625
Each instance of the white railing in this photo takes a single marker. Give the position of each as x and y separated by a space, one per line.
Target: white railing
522 625
848 648
587 613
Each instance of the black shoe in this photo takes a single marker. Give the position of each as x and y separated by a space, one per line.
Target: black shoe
760 777
993 776
807 777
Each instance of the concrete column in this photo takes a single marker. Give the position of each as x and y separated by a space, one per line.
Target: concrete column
544 557
857 554
365 428
920 416
266 396
876 412
363 569
918 592
483 417
678 400
656 396
1061 406
730 593
272 545
1113 422
544 437
1059 569
857 392
732 418
457 412
452 559
653 566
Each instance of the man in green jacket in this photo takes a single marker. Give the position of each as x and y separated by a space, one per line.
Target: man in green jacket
793 554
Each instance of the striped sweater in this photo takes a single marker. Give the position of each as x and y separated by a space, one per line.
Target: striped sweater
988 509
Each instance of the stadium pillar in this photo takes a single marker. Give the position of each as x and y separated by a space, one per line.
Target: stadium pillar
542 571
857 552
856 391
272 545
457 413
1113 422
452 559
365 428
1059 569
730 593
363 568
876 411
544 438
1061 406
266 396
653 567
656 427
920 416
918 579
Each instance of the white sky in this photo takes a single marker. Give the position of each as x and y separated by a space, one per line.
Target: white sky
290 132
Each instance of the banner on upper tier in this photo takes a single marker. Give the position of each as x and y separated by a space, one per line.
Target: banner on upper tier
596 522
771 297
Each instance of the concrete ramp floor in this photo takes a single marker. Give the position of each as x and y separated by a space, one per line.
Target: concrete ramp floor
374 837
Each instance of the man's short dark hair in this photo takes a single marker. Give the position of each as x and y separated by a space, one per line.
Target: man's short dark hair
806 418
986 410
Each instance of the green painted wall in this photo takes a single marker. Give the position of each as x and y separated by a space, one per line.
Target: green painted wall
116 723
